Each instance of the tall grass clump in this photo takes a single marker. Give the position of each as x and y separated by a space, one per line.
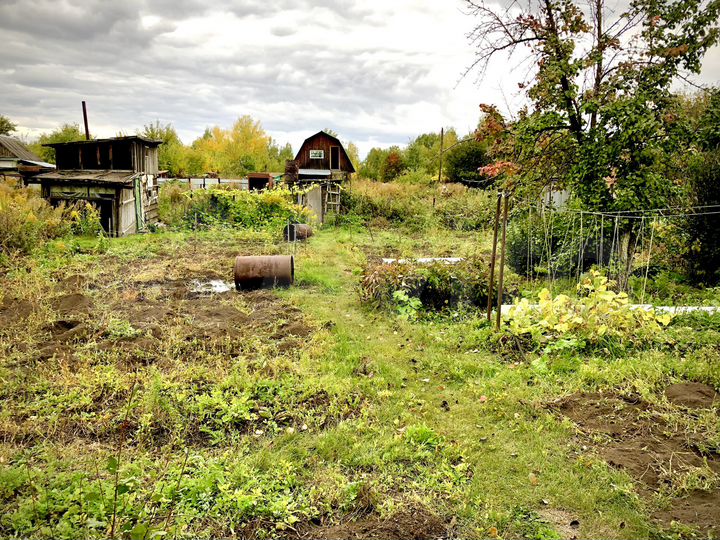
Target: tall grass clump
419 205
27 220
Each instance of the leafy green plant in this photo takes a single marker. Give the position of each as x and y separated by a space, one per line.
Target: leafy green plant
599 315
407 306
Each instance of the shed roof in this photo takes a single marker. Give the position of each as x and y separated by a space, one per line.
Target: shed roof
18 149
85 176
149 142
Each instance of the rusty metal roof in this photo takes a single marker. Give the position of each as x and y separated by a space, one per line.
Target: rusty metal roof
18 149
83 176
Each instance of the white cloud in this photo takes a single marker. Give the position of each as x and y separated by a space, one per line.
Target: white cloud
377 71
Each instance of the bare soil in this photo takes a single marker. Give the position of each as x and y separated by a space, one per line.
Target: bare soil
409 525
635 437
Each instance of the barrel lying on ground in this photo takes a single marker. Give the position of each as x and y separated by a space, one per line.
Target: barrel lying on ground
264 272
297 231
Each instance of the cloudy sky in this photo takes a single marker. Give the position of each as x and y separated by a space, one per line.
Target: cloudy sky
378 72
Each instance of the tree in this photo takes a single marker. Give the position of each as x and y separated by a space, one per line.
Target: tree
373 163
353 154
423 153
65 133
393 166
172 154
6 126
463 161
601 86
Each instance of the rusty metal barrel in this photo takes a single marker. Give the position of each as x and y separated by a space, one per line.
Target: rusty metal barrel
297 231
264 272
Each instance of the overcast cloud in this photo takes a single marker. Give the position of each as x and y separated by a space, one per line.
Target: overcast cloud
379 72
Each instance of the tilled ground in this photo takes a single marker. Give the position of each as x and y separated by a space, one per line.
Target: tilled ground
658 448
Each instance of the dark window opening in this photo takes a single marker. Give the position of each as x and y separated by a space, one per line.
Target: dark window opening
334 158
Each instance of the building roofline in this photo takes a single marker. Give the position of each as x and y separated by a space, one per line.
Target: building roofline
110 139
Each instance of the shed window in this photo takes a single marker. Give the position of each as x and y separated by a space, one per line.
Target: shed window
334 158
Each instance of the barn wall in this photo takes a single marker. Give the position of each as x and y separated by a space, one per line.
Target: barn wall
323 142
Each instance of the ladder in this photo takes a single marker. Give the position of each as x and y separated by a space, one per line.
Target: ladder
332 198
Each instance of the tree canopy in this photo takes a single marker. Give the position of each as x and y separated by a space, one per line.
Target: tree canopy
601 117
6 126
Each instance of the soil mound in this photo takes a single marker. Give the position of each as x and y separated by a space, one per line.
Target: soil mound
72 304
692 395
418 525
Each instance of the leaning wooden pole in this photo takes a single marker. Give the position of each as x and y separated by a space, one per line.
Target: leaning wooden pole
491 278
498 315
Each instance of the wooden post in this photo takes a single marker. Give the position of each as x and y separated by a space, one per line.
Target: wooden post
442 143
491 278
502 264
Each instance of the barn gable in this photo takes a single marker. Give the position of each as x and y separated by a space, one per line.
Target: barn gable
323 152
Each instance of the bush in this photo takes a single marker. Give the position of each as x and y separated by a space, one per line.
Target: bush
463 209
463 161
398 204
27 220
249 209
173 202
437 285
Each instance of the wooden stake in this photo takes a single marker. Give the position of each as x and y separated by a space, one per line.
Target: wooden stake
502 264
491 278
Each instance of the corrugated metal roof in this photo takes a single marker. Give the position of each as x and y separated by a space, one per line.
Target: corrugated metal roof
90 176
43 164
18 149
314 172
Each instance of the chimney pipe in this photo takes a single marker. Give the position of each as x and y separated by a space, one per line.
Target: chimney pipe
87 129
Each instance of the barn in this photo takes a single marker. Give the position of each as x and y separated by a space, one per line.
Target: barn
118 176
322 161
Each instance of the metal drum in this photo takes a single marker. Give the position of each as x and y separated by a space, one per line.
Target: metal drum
264 272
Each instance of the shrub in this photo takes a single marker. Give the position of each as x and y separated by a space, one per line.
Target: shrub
437 285
231 207
463 209
463 161
173 202
399 204
27 220
84 219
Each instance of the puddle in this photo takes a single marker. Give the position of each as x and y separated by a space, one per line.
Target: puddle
214 286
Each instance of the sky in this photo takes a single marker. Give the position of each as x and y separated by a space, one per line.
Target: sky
378 72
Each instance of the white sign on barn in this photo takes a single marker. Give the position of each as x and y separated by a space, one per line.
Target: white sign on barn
317 154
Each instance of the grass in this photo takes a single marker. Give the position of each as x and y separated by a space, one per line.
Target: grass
246 429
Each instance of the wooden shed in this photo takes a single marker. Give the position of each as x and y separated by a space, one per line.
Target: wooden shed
17 161
118 176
